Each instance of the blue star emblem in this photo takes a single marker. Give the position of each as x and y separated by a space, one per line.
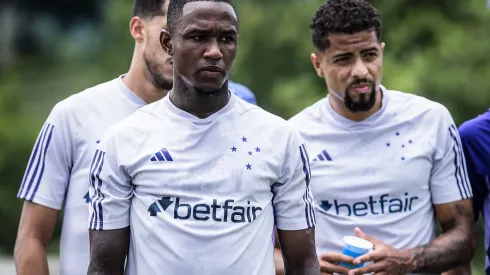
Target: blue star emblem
403 158
244 139
388 144
257 150
397 133
249 167
249 153
233 149
403 146
410 141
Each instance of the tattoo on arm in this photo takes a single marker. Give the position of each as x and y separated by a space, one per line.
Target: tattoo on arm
456 246
108 250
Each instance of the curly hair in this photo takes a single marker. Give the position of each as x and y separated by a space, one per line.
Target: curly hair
343 16
175 9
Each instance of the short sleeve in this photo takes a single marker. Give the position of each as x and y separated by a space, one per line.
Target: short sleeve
293 201
477 156
47 173
449 177
110 186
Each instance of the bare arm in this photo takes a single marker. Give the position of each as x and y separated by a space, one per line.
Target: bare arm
298 251
455 246
278 261
108 250
37 224
461 270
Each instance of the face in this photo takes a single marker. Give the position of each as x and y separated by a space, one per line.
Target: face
158 63
204 45
352 68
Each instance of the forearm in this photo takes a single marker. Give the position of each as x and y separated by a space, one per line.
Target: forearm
30 258
278 262
454 248
313 270
460 270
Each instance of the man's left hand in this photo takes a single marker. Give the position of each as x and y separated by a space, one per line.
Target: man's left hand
386 259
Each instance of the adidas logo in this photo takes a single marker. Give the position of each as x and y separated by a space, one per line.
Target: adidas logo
162 155
323 156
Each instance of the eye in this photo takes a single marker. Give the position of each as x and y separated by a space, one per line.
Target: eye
227 39
198 37
341 59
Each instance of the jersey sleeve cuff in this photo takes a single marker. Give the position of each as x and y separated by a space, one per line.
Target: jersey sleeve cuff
449 199
294 225
112 225
50 203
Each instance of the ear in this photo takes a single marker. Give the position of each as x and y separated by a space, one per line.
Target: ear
136 28
317 64
166 42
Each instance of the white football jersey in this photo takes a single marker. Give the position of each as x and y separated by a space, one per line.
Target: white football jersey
382 174
58 169
201 196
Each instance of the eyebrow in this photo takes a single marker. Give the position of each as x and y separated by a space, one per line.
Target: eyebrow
204 31
372 49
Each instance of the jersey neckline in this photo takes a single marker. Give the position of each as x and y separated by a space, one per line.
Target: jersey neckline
179 113
127 92
346 123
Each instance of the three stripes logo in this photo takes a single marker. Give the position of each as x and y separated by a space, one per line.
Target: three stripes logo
323 156
35 170
162 155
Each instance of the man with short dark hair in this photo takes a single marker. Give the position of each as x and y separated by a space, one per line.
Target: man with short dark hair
385 163
57 172
194 183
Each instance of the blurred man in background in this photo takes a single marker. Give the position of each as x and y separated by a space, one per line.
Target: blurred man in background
57 172
384 162
475 137
194 183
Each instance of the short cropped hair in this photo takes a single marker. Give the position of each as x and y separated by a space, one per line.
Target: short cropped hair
343 17
176 7
148 9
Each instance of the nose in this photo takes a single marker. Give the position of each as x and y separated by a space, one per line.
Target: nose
213 51
359 69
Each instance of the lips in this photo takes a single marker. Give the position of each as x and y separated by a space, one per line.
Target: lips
361 87
214 69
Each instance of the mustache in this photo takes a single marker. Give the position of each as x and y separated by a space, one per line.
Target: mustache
361 81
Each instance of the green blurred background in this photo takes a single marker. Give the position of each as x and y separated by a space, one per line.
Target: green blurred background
51 49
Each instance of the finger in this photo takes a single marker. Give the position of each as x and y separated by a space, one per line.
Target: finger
330 268
369 257
376 267
365 236
333 257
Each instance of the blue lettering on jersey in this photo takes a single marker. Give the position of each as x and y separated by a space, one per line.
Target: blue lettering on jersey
87 197
227 211
384 205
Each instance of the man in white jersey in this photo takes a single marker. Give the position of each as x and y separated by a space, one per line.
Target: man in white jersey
194 183
57 173
384 161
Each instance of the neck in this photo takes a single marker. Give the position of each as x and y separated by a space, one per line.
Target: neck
195 102
339 107
139 82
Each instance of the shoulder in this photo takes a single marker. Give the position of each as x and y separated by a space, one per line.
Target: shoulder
474 128
276 128
414 106
76 104
308 118
242 92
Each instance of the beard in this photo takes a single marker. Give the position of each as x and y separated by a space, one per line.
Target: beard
365 102
157 77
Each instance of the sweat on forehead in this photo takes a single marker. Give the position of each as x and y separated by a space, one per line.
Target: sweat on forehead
176 10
